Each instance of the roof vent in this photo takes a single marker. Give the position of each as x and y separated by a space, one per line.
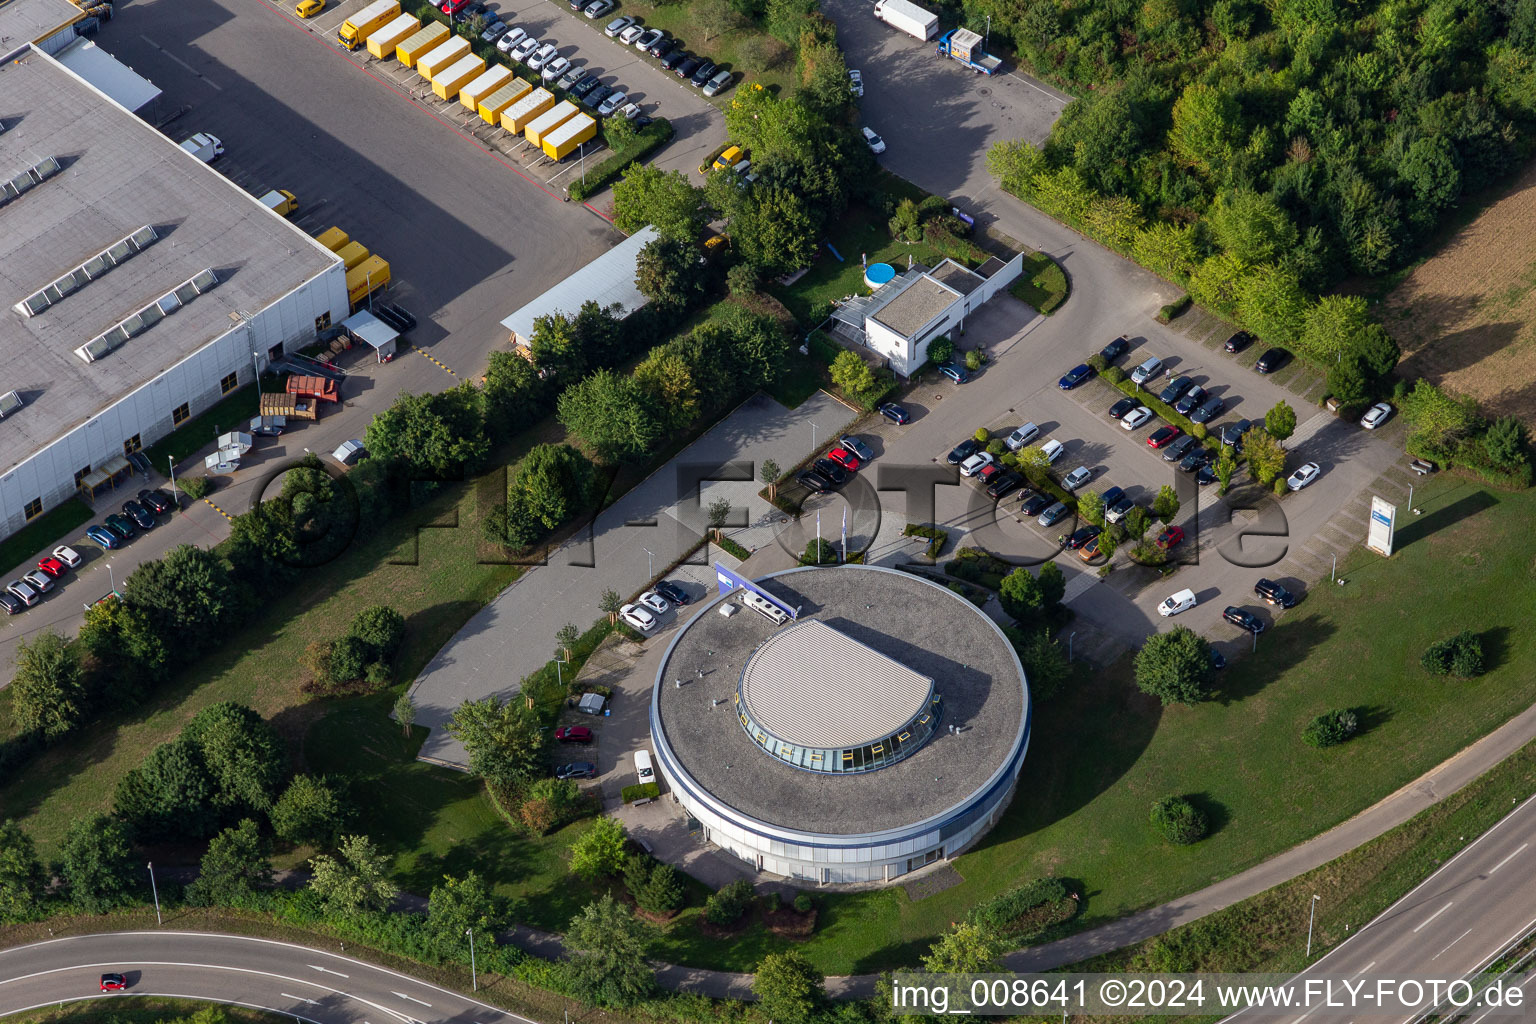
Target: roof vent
200 284
119 252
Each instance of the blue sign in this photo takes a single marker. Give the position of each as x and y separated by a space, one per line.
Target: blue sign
1384 520
730 581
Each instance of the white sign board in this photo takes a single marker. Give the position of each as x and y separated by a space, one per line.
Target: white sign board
1383 517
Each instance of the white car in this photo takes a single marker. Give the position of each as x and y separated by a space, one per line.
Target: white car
543 56
555 68
647 38
1075 479
523 50
630 111
612 103
1183 601
1376 415
1052 450
875 143
1021 437
638 617
617 25
68 555
511 39
1303 476
1146 371
347 452
1135 418
655 602
630 34
976 463
856 82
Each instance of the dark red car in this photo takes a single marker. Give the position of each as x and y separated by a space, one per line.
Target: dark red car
1162 436
573 734
1169 538
114 982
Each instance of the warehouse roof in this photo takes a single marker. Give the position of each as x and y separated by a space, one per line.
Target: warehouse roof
32 21
115 177
607 280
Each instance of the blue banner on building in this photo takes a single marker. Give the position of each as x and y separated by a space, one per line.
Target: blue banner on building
730 581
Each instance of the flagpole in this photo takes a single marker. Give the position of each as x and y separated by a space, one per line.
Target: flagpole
845 533
818 538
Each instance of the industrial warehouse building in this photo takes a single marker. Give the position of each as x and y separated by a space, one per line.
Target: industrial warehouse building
844 725
139 285
608 280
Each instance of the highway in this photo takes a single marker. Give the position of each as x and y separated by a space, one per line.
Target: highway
296 981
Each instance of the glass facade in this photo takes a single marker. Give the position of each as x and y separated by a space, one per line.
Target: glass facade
867 757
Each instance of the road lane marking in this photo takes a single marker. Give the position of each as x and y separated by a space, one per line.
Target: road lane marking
1453 942
172 57
1433 916
327 970
301 999
413 999
1511 857
1365 968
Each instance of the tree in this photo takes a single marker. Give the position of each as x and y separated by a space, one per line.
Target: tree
668 382
356 881
458 905
187 595
565 639
437 436
668 272
860 383
607 954
823 78
1053 585
1206 127
665 199
1045 663
309 813
23 880
611 415
610 603
1431 168
661 891
46 693
789 988
757 346
169 795
718 512
1226 465
1272 303
1178 821
381 628
1266 458
1166 505
819 552
1280 422
742 280
98 865
1091 507
778 232
118 635
729 902
1439 421
555 482
769 472
555 349
1333 326
505 740
1504 443
1347 381
1020 594
714 17
237 864
514 394
1136 524
1330 728
1175 667
907 226
242 753
404 712
1251 226
599 850
964 949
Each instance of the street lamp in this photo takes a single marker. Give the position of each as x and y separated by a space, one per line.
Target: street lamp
474 975
650 562
153 889
1069 645
1312 917
110 576
988 44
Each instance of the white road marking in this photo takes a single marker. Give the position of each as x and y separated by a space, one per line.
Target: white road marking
1365 968
1045 92
413 999
327 970
1433 916
1511 857
301 999
172 57
1453 942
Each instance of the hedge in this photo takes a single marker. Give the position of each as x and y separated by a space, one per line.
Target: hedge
647 140
1173 309
640 791
734 549
1003 914
936 537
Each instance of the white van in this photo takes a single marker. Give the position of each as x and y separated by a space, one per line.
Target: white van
764 607
1052 449
1183 601
643 770
1021 437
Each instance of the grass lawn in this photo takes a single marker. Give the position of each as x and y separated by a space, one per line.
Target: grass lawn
49 528
724 50
143 1010
232 412
1042 284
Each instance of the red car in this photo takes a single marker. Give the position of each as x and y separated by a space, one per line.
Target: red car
114 982
1169 538
845 458
573 734
1162 436
53 567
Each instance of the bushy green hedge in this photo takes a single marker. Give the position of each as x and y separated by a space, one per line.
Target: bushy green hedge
1173 309
729 902
1460 655
194 487
647 139
1330 728
1178 821
1009 914
936 537
734 549
640 791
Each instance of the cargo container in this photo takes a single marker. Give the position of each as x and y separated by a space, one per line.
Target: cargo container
366 278
491 107
357 28
280 201
320 388
441 57
562 142
431 35
446 84
275 405
907 17
964 46
548 121
516 117
491 79
352 254
332 238
383 42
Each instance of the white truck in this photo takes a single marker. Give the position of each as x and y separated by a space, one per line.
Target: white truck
905 16
205 147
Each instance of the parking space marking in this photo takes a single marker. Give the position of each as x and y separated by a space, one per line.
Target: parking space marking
435 362
175 59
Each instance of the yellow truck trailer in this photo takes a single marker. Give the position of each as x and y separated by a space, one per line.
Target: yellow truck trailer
332 238
352 254
431 35
489 81
491 106
447 83
548 121
516 117
383 42
357 28
366 278
562 142
442 57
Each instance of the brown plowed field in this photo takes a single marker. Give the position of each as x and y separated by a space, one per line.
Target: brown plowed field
1466 319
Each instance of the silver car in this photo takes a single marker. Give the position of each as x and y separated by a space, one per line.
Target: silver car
572 75
1146 371
716 84
1075 479
612 103
617 25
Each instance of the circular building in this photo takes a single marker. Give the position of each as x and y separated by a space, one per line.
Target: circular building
870 724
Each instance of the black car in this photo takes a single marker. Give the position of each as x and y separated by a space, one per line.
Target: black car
675 58
1075 376
1180 447
894 413
1208 410
1115 349
1109 497
1273 593
831 470
661 47
143 517
813 480
1083 536
1175 389
1272 360
1232 433
962 451
1194 459
594 99
1218 660
1004 484
1243 619
1121 409
1190 400
1054 514
584 86
1238 341
577 770
157 501
685 69
704 72
672 592
12 605
1034 504
1206 475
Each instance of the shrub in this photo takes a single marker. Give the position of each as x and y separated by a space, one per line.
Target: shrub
936 537
195 487
1280 487
940 349
640 791
1177 820
729 902
1114 375
982 435
1000 915
973 360
771 902
1098 362
1173 309
803 902
1330 727
1460 655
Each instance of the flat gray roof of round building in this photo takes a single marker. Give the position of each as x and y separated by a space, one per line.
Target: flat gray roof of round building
813 686
926 628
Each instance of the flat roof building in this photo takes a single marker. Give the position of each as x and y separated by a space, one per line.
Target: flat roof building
608 280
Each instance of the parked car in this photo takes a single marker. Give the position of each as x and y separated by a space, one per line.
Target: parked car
1111 496
717 84
651 35
595 98
576 733
962 451
11 605
572 75
577 770
831 470
1115 349
52 566
813 480
38 580
23 592
141 516
509 41
542 56
1190 400
1175 389
1088 552
1208 410
525 49
1238 341
955 373
674 58
1052 450
598 8
1022 436
1218 660
686 67
1183 601
583 86
703 73
1205 475
1075 376
976 463
638 617
1303 476
617 25
894 413
875 143
672 592
1272 360
1121 409
1075 479
1135 418
1082 536
555 69
856 82
1274 593
654 602
1004 483
633 32
1376 415
349 452
859 448
494 30
1179 448
1232 433
1169 538
662 46
158 501
845 458
1054 514
120 525
68 555
114 982
1243 619
1116 512
1147 370
612 102
1194 459
1033 503
103 536
306 9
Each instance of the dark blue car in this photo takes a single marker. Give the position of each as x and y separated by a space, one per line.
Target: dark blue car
954 373
1075 376
103 536
894 413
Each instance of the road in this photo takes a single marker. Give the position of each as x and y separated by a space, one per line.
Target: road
295 981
